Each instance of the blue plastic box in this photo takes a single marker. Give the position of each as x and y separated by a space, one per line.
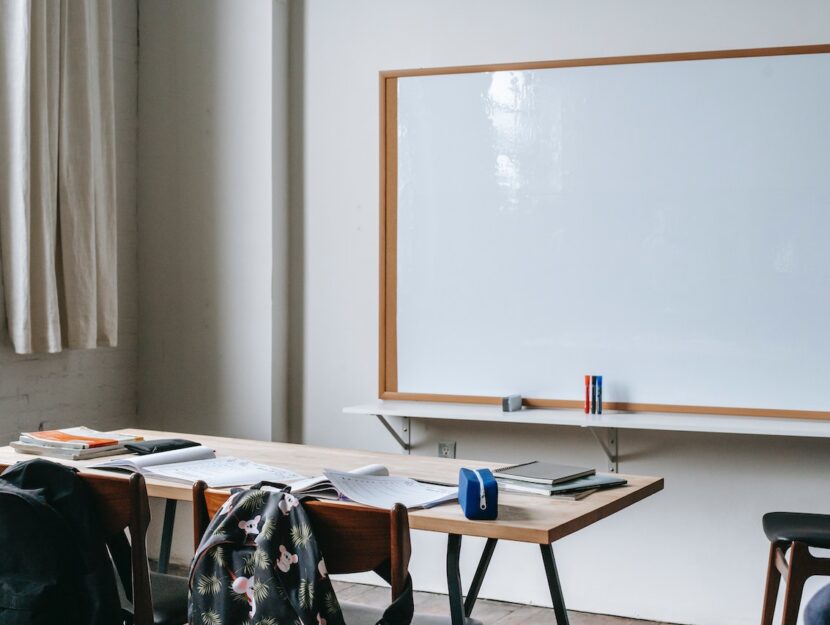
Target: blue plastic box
478 505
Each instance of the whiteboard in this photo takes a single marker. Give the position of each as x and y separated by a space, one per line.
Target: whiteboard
663 224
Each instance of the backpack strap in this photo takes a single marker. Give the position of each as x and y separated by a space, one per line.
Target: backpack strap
402 609
121 554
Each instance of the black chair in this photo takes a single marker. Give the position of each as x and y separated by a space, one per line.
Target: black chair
794 532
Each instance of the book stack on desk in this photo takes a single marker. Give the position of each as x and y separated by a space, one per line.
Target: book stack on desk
554 480
78 443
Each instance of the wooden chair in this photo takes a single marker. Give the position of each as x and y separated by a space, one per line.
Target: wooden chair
352 538
794 532
123 504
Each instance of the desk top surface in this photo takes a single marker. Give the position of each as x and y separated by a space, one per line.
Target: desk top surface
524 518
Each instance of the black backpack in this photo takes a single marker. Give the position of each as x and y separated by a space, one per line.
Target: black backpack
55 567
259 564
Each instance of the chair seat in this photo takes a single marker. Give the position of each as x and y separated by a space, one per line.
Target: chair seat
812 529
169 599
359 614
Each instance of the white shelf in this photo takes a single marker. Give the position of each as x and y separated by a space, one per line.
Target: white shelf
676 422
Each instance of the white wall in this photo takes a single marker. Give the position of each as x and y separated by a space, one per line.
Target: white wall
692 554
212 223
208 218
90 387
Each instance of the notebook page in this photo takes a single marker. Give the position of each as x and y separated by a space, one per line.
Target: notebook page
386 491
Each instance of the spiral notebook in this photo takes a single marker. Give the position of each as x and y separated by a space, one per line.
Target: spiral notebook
543 472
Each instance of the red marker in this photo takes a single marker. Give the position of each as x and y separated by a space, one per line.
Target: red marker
587 394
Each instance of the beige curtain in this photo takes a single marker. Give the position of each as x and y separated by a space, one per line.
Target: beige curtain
57 174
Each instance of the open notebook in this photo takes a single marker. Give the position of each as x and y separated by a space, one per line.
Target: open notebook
191 464
370 485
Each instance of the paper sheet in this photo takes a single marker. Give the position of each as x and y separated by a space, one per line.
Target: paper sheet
322 488
386 491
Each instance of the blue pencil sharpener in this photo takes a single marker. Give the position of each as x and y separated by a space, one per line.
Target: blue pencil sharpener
478 494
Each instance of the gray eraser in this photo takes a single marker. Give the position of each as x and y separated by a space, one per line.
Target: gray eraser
511 403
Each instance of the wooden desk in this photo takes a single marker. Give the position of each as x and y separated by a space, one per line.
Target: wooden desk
522 518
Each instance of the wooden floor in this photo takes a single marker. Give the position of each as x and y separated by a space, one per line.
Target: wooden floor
490 612
487 611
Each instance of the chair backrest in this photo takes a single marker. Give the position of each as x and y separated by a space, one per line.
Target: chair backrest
123 504
352 538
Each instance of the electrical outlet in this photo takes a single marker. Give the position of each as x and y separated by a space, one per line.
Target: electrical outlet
446 449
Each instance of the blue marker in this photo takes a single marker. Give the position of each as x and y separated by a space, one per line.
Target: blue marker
593 394
599 394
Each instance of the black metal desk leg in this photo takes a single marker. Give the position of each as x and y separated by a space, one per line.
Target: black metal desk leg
167 535
481 570
553 585
454 579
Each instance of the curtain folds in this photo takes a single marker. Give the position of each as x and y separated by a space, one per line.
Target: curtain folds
57 174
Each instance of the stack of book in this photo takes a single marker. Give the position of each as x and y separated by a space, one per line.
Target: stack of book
554 480
78 443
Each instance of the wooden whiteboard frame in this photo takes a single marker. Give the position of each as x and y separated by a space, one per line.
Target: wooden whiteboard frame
388 352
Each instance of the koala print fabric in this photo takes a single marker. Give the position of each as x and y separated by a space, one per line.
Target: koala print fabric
259 564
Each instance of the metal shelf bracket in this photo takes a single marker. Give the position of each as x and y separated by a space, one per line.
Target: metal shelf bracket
404 439
610 444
